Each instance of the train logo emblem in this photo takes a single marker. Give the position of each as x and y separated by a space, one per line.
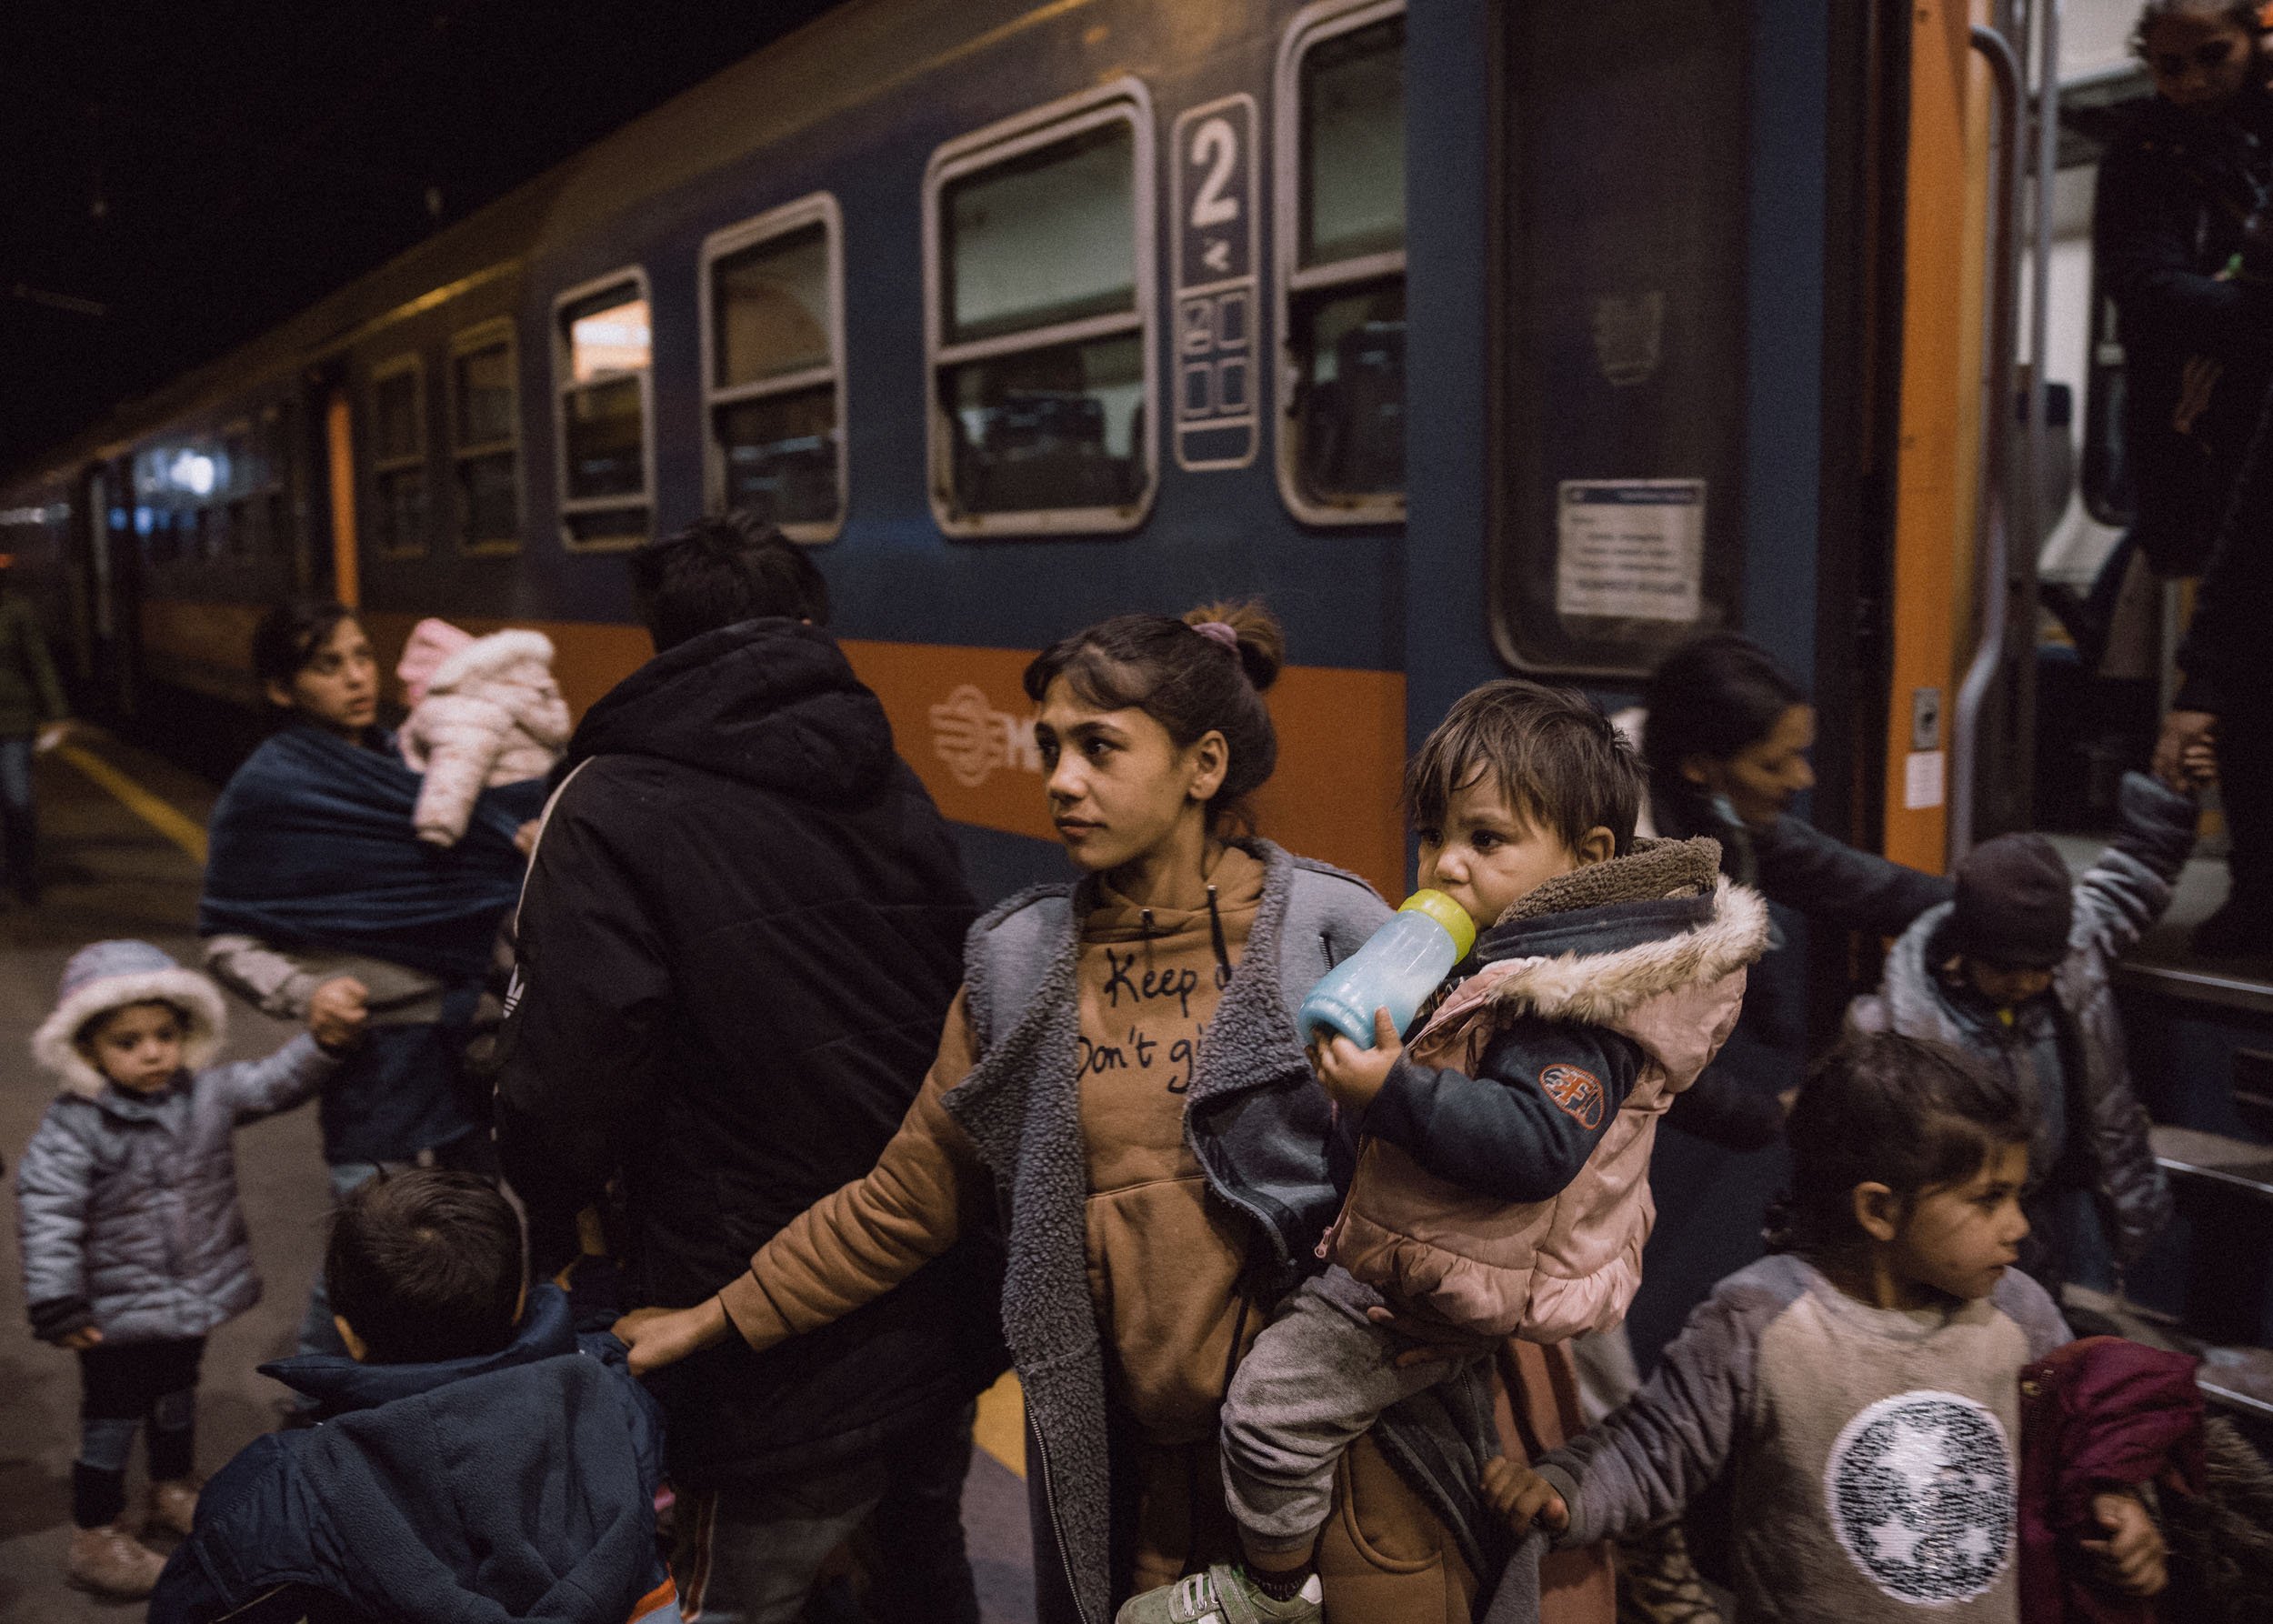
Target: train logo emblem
1579 1092
974 739
1919 1488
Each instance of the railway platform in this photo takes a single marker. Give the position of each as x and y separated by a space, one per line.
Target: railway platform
122 843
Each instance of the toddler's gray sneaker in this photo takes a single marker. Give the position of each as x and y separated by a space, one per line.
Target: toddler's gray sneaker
1222 1595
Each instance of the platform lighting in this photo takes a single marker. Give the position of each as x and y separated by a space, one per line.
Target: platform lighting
193 473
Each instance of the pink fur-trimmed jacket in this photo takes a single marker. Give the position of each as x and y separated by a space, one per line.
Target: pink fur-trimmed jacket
1652 947
485 711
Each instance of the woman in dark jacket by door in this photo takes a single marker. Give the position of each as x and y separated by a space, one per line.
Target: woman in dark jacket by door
1726 739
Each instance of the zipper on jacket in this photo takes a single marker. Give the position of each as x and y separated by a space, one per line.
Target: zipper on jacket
1215 931
1057 1528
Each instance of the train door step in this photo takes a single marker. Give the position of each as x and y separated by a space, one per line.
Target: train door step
2238 1163
2234 1378
2246 989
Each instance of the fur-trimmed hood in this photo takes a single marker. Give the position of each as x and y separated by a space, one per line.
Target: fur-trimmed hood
110 975
1595 944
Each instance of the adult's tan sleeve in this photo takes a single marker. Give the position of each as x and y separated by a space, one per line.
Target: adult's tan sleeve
853 1246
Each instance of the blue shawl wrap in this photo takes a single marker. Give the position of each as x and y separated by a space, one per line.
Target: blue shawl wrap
311 846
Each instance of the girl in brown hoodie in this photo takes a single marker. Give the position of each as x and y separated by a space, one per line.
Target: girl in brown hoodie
1120 1083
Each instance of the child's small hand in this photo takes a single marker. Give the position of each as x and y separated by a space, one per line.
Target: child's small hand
339 1011
1519 1494
80 1340
2131 1558
2199 763
1355 1076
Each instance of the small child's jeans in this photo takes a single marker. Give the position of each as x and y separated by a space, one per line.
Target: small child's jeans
123 1386
1315 1382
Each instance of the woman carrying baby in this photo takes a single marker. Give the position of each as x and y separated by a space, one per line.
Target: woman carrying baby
322 888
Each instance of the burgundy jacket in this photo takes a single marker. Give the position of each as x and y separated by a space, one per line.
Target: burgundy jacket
2098 1414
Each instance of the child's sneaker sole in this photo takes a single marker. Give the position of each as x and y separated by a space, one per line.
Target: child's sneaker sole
1225 1594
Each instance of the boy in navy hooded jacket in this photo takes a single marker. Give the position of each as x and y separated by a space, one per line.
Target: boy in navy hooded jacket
476 1461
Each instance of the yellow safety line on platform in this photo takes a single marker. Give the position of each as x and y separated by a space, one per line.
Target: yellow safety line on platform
1000 1428
158 813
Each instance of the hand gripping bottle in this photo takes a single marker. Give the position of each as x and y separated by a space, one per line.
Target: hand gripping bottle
1398 968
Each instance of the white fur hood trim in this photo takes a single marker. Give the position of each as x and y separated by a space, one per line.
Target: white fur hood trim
492 656
1600 988
53 1048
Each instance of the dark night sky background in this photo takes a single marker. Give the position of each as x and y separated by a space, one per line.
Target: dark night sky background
200 169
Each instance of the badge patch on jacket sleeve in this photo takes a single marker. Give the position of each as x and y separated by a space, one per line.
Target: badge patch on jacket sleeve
1577 1091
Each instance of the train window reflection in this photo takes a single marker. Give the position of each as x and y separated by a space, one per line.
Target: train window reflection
773 287
603 346
484 439
1341 220
1353 145
609 340
772 306
1042 384
398 458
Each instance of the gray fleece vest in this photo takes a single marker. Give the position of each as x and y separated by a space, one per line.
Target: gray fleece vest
1254 1118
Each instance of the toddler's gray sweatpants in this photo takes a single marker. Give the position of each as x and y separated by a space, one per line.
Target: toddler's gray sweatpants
1315 1380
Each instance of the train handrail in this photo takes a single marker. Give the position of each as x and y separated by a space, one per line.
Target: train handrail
1992 514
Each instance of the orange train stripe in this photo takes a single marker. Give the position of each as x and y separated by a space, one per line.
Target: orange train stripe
959 718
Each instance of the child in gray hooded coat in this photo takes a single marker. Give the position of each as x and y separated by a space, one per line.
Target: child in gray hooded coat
133 1241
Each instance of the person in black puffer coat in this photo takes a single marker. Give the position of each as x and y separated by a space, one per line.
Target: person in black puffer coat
743 928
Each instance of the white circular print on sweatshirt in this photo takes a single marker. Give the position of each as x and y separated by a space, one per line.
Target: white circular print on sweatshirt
1920 1491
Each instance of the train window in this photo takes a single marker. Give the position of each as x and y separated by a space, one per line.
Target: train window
773 386
398 458
243 471
1618 531
602 344
486 438
275 503
1039 264
1341 264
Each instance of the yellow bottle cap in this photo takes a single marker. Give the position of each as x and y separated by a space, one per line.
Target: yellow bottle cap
1447 912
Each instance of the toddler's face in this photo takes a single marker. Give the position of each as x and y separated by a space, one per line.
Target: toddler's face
139 1047
1488 856
2005 985
1961 1239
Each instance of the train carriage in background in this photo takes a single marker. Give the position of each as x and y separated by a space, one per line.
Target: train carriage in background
1471 337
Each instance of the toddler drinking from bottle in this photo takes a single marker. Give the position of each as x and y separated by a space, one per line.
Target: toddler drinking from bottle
1501 1184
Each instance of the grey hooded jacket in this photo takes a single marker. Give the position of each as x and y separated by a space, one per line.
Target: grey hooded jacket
1254 1117
2118 898
126 1208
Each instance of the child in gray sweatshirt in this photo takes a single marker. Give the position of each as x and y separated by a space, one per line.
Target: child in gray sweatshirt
1857 1398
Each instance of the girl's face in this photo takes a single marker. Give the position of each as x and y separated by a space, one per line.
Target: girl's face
1120 788
1763 779
2198 63
338 688
139 1046
1961 1239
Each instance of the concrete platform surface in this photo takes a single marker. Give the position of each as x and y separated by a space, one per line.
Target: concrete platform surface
109 872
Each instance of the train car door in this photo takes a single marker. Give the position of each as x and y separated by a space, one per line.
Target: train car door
335 569
101 568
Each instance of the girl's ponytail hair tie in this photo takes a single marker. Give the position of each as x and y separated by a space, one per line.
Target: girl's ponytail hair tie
1222 631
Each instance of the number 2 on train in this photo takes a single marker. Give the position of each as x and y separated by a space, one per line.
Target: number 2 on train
1215 141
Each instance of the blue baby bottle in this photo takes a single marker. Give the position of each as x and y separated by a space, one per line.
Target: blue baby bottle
1398 968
